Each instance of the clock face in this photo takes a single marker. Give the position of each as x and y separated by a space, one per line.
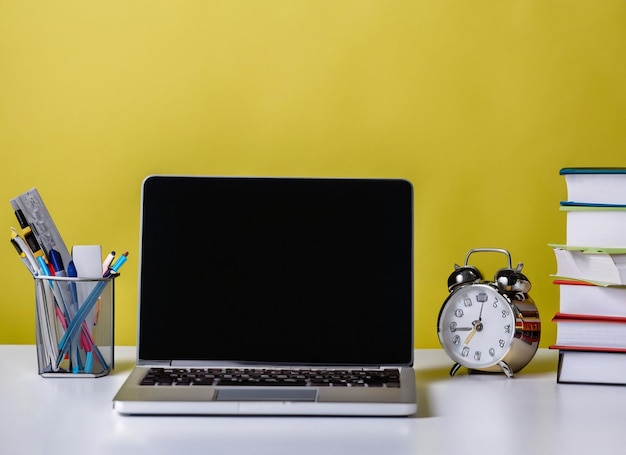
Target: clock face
476 326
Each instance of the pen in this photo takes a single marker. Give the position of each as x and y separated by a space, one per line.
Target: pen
16 239
22 254
43 267
58 297
61 317
116 265
25 254
57 262
56 291
65 288
71 272
69 293
47 335
107 262
51 270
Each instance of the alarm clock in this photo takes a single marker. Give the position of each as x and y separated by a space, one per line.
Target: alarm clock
489 326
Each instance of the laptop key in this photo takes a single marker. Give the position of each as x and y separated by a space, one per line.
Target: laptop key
280 378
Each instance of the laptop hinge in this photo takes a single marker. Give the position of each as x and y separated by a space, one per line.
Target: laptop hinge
198 363
157 363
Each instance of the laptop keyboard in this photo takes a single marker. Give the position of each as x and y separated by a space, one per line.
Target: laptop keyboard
271 377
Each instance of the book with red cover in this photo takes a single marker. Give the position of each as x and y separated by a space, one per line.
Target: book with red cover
580 297
590 332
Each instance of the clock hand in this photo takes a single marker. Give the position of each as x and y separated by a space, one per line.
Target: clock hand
470 335
477 326
462 329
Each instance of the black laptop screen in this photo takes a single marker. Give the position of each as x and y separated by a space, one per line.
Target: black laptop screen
276 270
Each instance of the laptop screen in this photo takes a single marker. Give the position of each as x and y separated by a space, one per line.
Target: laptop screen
276 270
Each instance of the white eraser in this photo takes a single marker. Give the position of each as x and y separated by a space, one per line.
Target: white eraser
87 260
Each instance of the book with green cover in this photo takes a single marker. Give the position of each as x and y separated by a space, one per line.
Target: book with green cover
607 268
594 225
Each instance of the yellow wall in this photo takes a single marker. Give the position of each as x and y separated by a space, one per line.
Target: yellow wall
478 103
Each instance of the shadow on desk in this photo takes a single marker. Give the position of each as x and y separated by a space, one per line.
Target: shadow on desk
276 435
124 366
545 362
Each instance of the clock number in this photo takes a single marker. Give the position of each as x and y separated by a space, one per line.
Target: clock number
495 303
501 343
505 313
477 355
458 313
482 297
492 352
467 302
507 328
456 339
453 326
465 351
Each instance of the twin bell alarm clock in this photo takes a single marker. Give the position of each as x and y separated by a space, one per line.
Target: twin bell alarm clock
489 326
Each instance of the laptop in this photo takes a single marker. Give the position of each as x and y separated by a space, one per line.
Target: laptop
274 296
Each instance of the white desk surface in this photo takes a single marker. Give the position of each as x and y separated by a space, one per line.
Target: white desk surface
465 414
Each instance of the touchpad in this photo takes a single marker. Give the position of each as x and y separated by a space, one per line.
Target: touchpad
266 395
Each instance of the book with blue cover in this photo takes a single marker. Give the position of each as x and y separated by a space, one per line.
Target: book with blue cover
595 185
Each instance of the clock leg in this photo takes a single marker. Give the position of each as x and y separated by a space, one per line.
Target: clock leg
506 369
454 369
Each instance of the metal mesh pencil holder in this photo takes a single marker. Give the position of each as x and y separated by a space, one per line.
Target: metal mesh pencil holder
74 326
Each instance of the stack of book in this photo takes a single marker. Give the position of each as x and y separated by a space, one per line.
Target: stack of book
591 275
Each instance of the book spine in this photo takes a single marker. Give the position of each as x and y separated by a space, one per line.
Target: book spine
592 170
569 317
596 306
